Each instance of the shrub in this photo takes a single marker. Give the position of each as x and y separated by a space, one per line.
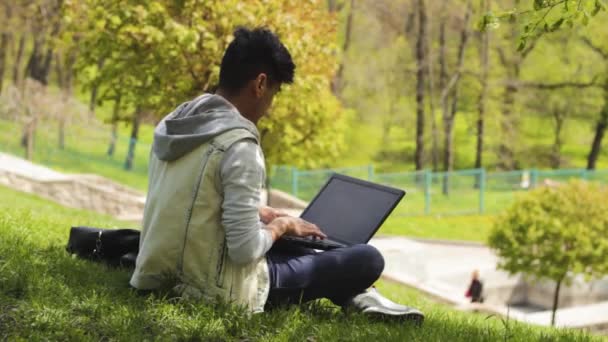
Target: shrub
555 233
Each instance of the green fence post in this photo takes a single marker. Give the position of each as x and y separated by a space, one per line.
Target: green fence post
533 178
370 172
482 188
427 191
294 181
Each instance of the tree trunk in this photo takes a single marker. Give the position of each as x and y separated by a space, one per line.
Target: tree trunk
420 83
443 73
114 137
17 61
61 119
431 92
508 125
61 138
59 73
448 143
600 129
558 117
32 67
481 104
27 140
505 150
448 160
338 82
332 5
133 140
65 73
95 89
4 39
45 68
556 300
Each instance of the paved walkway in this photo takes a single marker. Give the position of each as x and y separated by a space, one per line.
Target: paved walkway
83 191
28 169
443 270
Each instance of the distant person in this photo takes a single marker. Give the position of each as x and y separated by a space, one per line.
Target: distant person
204 228
475 288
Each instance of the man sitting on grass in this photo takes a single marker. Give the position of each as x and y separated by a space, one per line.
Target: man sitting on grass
203 222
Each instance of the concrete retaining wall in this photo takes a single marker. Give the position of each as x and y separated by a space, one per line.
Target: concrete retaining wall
81 191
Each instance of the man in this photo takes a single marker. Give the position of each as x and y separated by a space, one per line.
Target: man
203 223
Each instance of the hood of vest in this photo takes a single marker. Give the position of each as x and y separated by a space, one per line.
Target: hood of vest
194 123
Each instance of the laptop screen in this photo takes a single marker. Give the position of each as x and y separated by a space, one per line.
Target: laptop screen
350 210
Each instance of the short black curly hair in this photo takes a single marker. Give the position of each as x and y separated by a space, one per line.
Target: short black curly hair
253 52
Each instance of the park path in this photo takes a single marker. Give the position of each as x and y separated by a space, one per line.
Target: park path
82 191
441 269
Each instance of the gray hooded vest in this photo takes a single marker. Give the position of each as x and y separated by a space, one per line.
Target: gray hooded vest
183 239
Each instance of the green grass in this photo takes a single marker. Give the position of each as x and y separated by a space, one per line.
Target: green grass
45 294
84 150
466 228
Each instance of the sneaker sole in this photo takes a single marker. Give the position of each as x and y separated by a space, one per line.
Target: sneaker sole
383 313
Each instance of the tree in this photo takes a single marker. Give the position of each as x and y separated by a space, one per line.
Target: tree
555 233
46 26
543 16
512 62
5 37
338 80
158 54
449 112
602 121
484 50
421 65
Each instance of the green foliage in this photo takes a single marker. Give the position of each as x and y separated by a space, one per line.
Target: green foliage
555 232
45 294
160 53
546 16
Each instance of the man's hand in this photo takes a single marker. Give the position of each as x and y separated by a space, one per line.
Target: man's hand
287 225
268 214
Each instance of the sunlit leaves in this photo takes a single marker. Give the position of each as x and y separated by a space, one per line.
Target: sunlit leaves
555 232
161 53
546 16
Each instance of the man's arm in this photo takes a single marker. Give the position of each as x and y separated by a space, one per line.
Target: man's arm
242 175
267 214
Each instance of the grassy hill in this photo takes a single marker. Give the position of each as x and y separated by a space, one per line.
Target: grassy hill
45 294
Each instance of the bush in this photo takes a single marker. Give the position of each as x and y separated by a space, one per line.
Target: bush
555 233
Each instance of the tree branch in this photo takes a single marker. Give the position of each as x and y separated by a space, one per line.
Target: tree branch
528 49
594 47
553 86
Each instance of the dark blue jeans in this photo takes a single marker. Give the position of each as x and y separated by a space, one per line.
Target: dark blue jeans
299 274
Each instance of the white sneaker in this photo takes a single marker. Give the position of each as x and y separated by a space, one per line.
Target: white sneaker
373 303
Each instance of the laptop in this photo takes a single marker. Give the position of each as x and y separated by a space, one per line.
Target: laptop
349 211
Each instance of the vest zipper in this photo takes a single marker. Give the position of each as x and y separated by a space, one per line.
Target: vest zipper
180 264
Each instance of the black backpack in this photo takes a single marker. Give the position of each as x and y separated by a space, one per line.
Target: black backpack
114 247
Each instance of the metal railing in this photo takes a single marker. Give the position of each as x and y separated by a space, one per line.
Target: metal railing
473 191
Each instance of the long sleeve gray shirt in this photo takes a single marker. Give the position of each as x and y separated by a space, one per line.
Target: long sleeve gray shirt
242 173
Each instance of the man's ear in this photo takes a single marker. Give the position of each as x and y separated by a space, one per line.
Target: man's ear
261 85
